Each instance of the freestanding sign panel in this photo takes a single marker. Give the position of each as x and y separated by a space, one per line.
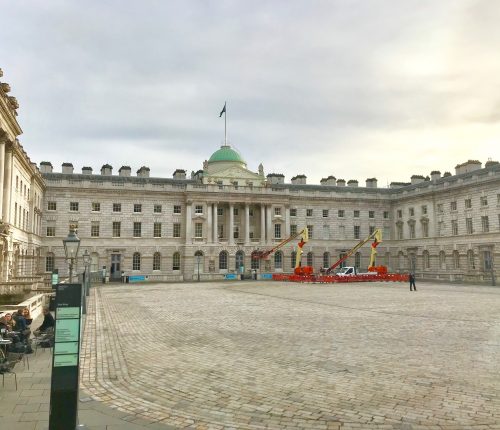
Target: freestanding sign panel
65 362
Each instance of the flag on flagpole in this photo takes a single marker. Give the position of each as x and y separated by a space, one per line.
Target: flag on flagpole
223 110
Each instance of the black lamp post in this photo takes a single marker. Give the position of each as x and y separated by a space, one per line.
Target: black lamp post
86 262
71 246
198 260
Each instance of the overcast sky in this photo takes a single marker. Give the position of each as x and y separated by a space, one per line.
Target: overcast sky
354 89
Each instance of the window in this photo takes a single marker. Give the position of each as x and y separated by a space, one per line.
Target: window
156 261
220 184
454 227
440 208
453 206
277 231
309 212
94 229
411 211
485 224
468 203
235 183
278 260
137 207
136 261
371 229
341 213
235 211
425 229
470 259
116 229
220 211
484 201
177 209
223 260
326 232
157 229
399 231
254 261
277 211
356 214
424 210
310 259
310 231
357 260
293 211
293 229
426 260
250 211
386 214
51 231
326 259
51 206
456 260
198 229
157 210
49 262
487 261
371 214
325 213
177 230
198 209
412 230
176 261
96 207
117 207
468 226
293 257
73 206
137 229
357 230
236 232
400 213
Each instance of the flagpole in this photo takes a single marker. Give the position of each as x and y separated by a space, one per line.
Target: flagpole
225 124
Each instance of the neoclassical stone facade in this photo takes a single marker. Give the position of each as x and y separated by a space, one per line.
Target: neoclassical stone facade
442 227
21 195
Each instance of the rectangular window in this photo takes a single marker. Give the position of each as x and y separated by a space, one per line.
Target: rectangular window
356 214
309 212
325 213
468 203
310 231
157 229
94 229
117 207
357 231
400 213
221 186
49 263
484 201
468 226
198 230
411 211
412 231
96 207
399 231
177 230
341 213
293 211
485 224
157 209
424 210
236 232
51 231
386 214
277 211
371 214
235 211
116 229
137 229
73 206
425 229
51 206
177 209
440 208
293 229
250 211
453 206
220 211
137 207
454 227
198 209
371 229
277 231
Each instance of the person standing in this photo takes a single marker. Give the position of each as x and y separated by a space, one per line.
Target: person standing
412 282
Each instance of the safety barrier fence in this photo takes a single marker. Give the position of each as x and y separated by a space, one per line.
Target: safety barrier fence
331 279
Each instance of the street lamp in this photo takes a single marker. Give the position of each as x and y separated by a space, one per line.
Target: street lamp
71 246
198 260
86 262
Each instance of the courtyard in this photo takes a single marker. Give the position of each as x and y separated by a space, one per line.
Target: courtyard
256 355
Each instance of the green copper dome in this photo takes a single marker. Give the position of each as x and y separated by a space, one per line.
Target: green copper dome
226 153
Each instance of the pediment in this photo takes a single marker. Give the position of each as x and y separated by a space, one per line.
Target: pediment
234 173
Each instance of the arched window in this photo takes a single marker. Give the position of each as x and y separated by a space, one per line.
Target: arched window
49 262
136 261
223 260
326 260
471 260
293 258
239 260
176 261
156 261
255 261
442 260
310 259
456 260
357 259
278 260
426 260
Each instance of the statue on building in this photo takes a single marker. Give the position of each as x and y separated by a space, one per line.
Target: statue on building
205 165
261 169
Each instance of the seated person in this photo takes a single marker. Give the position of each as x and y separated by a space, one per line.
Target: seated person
7 323
21 327
27 316
48 322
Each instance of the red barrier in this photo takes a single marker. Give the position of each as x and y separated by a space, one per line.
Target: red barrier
331 279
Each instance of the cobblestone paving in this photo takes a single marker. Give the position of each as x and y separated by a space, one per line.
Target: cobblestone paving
286 356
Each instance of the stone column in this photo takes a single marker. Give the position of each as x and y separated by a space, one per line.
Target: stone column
231 223
247 224
209 223
188 223
268 224
262 224
2 173
287 221
7 187
215 224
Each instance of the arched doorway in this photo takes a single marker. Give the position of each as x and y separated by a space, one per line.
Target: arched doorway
239 264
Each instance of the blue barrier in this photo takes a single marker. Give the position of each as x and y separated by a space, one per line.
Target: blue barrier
230 276
136 278
266 276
